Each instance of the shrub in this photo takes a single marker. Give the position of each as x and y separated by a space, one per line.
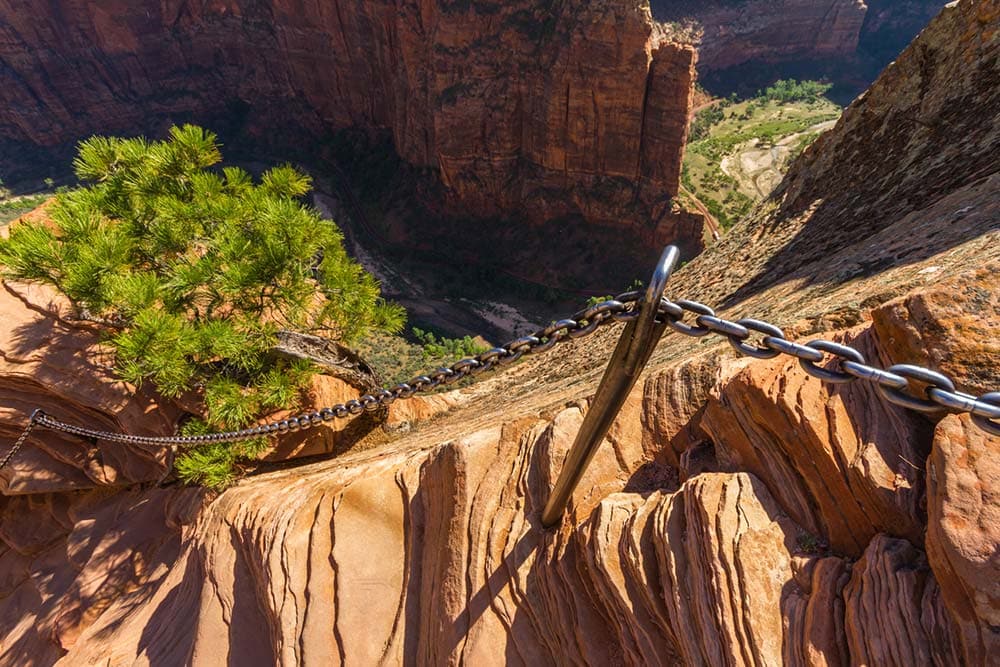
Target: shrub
194 270
790 90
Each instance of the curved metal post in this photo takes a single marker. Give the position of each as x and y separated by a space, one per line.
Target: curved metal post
634 348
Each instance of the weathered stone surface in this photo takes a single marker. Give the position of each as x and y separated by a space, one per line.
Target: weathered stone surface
902 202
805 549
50 360
949 326
54 363
521 108
841 460
762 31
814 614
435 554
963 531
894 614
674 401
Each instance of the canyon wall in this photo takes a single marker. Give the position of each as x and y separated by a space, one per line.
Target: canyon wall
736 32
848 41
739 511
534 109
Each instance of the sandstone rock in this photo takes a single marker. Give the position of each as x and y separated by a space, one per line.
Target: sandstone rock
894 613
51 362
521 109
814 614
949 326
841 460
674 400
723 552
431 554
963 531
430 551
903 202
735 33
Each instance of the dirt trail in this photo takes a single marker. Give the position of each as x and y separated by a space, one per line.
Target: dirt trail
713 224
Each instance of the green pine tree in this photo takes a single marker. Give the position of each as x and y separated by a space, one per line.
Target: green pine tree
194 269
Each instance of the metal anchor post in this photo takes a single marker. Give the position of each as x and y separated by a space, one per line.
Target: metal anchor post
634 348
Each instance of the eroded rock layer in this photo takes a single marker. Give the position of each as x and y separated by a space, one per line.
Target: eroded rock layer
739 512
848 40
539 109
434 555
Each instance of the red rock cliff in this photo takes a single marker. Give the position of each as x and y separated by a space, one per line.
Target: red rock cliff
739 512
769 31
535 108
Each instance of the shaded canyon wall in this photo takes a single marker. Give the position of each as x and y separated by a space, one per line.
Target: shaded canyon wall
534 109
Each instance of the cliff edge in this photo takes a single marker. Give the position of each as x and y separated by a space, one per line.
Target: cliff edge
739 512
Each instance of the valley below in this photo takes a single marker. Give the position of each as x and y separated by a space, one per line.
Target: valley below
495 166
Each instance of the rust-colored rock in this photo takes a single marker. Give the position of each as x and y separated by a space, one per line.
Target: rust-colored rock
841 461
948 326
55 363
520 108
894 613
761 31
799 540
963 531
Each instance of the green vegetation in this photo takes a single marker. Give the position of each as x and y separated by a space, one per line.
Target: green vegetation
13 208
440 347
726 128
399 359
194 270
790 90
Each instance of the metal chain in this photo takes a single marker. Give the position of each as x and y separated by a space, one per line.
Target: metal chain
893 383
21 439
581 324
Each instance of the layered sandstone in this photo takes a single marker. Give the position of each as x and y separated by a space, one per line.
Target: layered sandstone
764 32
740 511
527 109
53 361
431 552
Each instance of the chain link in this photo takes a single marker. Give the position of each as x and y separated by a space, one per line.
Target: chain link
583 323
893 383
21 439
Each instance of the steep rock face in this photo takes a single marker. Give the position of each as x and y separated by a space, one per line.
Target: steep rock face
429 551
848 34
736 32
963 504
903 198
540 110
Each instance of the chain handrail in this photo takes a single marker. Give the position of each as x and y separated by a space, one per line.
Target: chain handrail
582 323
894 383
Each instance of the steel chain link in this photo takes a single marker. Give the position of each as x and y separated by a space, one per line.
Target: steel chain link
581 324
894 383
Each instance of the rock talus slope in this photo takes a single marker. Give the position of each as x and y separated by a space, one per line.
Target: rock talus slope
740 511
533 109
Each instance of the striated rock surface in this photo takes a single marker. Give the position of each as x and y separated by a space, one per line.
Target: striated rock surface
539 110
53 363
733 33
848 40
963 531
740 512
